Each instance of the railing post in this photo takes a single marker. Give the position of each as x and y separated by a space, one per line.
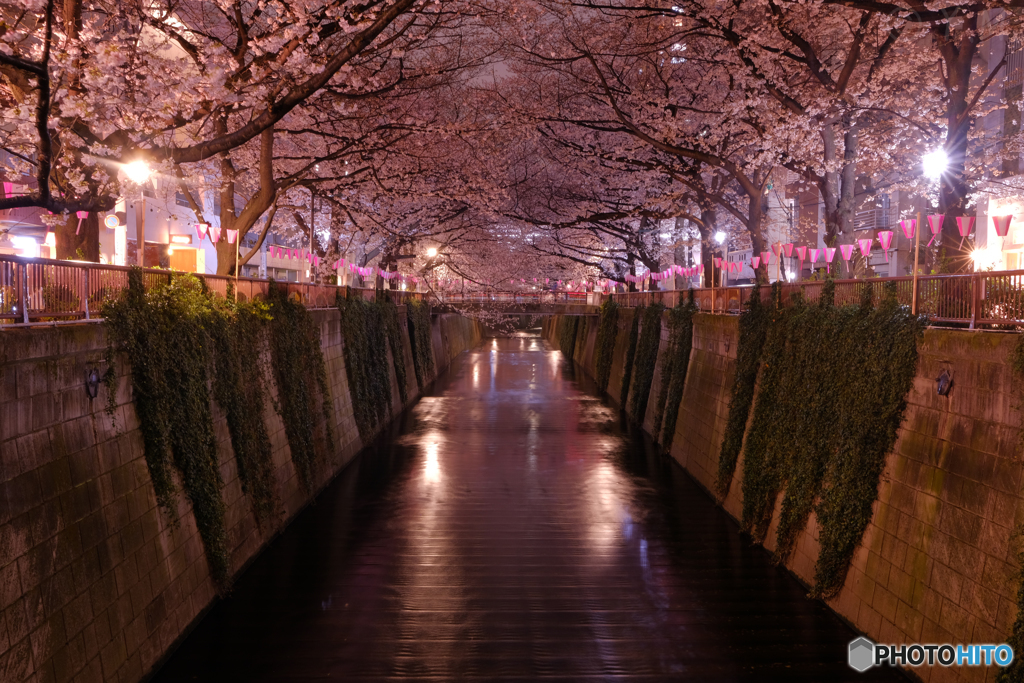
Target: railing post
975 297
85 293
24 293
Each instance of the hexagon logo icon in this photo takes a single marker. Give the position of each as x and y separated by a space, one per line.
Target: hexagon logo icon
862 654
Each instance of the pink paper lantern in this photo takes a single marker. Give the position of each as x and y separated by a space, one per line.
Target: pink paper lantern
766 257
885 239
1002 224
82 215
801 253
214 234
909 227
232 236
8 189
815 253
755 262
789 250
718 262
964 225
777 249
865 245
201 231
847 252
935 225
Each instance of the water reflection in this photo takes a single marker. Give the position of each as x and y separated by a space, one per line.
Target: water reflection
517 533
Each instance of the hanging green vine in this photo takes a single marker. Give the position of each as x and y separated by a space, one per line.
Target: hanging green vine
627 370
163 333
369 379
389 315
567 327
645 361
239 332
677 364
418 315
753 326
831 399
1015 672
303 392
604 352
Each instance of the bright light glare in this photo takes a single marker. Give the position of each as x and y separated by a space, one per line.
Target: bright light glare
985 259
934 163
27 245
431 252
137 171
720 237
666 235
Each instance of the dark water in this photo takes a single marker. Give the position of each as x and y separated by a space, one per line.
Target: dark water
511 528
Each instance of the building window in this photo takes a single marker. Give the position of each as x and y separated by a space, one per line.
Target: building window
181 199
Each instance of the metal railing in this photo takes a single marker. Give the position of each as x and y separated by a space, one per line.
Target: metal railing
43 290
975 299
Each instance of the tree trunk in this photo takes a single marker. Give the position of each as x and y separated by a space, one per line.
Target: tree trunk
83 246
709 218
953 186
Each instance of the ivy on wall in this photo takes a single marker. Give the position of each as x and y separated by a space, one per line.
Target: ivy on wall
604 352
1015 672
418 315
568 325
303 392
754 323
163 333
364 328
627 370
645 361
389 315
673 377
239 333
832 394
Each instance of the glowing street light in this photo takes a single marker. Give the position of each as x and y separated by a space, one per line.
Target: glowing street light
934 164
137 171
431 252
720 237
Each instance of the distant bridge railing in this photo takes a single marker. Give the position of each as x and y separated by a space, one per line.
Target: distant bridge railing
487 297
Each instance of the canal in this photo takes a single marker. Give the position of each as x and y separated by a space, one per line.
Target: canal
510 526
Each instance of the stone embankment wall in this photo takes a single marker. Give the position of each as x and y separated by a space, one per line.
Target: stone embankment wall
938 563
96 583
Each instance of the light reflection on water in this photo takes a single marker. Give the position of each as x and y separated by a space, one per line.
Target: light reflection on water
518 533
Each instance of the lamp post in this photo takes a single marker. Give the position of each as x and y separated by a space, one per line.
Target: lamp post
720 238
139 173
933 165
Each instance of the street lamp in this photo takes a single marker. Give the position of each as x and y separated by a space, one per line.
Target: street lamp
139 172
431 252
720 237
934 164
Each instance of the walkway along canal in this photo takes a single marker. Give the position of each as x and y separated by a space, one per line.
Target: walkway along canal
510 526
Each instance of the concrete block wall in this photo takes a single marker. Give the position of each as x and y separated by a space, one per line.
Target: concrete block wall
96 583
937 564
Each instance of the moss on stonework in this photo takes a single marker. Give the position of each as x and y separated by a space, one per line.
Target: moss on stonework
1015 672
